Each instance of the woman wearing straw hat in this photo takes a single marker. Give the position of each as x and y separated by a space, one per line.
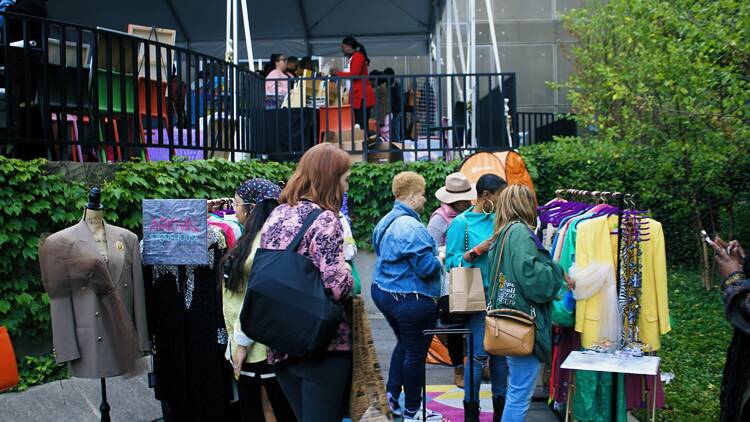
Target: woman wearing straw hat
455 197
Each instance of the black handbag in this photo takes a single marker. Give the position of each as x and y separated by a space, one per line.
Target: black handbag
286 306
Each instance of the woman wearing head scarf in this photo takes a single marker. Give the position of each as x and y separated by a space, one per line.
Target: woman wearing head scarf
254 200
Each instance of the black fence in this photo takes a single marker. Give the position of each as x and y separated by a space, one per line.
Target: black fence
92 94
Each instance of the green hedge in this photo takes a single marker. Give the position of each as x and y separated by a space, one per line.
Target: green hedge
34 202
656 177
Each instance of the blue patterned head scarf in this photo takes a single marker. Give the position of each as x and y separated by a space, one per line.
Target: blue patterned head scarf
255 191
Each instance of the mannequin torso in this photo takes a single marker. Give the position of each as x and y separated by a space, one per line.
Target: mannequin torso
95 223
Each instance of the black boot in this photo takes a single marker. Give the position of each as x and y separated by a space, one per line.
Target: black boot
498 403
471 411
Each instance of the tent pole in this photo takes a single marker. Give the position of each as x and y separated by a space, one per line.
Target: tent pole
228 44
493 37
449 67
464 63
248 40
473 69
235 42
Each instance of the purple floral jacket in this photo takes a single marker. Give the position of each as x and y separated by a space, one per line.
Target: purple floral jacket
323 244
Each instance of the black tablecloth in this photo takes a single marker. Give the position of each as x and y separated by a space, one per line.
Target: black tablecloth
288 133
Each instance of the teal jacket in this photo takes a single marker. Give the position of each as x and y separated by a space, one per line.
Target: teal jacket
481 227
531 279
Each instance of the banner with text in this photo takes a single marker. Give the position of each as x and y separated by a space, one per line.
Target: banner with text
175 232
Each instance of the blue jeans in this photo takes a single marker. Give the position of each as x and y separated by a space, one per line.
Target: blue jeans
523 372
408 315
498 369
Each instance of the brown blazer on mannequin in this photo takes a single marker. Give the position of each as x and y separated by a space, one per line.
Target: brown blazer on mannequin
82 334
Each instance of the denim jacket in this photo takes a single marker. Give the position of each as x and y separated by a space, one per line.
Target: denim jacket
407 257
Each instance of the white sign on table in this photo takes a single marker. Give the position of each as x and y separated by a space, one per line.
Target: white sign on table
607 362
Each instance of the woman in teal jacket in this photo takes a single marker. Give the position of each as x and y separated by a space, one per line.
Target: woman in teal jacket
528 280
475 227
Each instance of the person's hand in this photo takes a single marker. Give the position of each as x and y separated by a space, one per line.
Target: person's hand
335 71
238 358
728 264
484 247
733 248
569 281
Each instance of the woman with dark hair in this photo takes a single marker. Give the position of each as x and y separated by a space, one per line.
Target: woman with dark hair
362 95
254 201
467 243
734 267
277 81
317 387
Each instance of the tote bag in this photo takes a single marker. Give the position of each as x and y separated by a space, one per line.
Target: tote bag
466 286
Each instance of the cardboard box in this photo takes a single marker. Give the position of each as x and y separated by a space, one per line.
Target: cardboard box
385 152
356 154
345 135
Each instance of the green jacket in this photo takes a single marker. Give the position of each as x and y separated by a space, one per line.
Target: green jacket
531 279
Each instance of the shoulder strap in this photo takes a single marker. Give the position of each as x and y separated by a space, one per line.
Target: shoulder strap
466 236
301 233
493 295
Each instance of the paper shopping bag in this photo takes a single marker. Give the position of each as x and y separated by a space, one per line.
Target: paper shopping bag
466 290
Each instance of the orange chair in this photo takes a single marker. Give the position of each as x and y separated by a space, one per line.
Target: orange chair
8 368
155 111
329 119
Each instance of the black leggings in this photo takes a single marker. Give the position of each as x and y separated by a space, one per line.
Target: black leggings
318 390
361 115
251 405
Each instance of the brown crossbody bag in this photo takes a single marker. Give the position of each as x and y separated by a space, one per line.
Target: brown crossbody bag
507 332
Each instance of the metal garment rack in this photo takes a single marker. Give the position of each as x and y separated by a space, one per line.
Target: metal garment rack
463 331
621 199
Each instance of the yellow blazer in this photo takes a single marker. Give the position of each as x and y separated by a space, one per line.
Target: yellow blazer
653 321
596 244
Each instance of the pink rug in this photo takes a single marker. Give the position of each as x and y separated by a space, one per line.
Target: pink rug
448 401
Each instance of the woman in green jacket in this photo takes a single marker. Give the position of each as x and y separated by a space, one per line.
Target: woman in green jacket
528 280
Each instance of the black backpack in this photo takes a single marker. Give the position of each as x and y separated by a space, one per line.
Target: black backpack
286 307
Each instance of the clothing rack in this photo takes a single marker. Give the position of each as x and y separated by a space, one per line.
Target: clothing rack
604 196
220 204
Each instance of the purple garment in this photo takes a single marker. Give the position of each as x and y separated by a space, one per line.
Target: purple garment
636 398
569 341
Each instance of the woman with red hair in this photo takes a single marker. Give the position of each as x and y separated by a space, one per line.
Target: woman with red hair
317 388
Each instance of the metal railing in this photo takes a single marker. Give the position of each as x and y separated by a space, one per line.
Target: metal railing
93 94
534 128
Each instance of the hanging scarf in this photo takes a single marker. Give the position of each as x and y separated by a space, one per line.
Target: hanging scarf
592 280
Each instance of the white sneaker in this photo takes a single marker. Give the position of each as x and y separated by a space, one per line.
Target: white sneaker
430 416
395 406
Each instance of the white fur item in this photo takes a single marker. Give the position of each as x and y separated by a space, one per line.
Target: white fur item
597 278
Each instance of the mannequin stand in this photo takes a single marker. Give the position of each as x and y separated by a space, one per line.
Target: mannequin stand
104 407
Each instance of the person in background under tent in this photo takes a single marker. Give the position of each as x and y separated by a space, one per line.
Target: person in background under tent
362 94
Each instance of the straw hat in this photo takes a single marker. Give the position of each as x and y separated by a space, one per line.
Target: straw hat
457 188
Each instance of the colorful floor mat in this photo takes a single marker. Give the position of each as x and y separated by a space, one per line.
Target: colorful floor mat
448 400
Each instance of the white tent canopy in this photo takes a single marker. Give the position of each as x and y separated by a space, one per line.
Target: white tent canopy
293 27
